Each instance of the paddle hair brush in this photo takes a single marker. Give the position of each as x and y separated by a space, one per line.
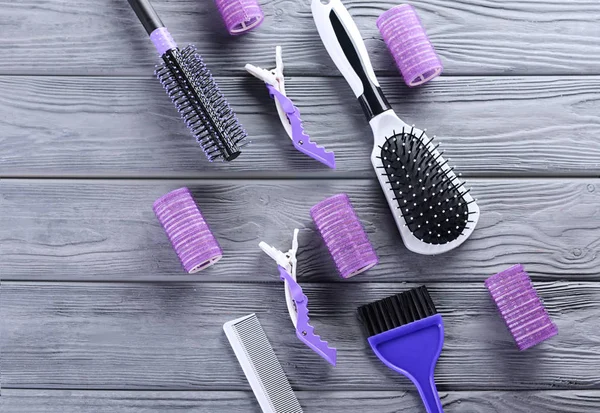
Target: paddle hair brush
192 89
407 334
431 207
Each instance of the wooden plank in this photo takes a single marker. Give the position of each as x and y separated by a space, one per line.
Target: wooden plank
116 127
169 336
60 401
106 230
474 37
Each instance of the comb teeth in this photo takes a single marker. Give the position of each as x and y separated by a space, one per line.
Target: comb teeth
201 104
260 364
429 196
396 310
520 307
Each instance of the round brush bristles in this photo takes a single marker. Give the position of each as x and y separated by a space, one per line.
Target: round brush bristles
407 41
202 106
240 16
187 230
344 235
520 307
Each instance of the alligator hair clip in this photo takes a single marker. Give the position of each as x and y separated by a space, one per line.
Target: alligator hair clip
297 302
288 113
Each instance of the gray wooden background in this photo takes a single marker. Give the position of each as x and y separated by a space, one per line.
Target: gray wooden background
96 314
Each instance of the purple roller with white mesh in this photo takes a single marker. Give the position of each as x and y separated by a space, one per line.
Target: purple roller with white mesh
407 41
187 230
240 16
520 307
344 235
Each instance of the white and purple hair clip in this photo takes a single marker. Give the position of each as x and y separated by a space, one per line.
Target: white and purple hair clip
289 113
297 302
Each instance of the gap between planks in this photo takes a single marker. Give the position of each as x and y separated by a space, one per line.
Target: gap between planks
66 401
291 176
135 75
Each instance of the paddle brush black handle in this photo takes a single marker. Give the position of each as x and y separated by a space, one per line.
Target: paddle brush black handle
347 49
147 15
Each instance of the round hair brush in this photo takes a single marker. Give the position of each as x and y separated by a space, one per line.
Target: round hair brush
193 90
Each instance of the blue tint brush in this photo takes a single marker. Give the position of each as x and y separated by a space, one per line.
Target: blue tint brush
407 335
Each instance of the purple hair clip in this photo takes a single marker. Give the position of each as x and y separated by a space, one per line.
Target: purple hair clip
297 302
289 113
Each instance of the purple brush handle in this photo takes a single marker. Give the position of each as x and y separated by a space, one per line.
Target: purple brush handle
300 139
407 41
413 350
163 41
305 331
520 307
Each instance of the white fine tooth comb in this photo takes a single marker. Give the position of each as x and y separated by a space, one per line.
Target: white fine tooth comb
261 367
431 207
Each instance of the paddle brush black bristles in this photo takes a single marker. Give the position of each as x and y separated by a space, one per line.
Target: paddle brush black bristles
202 106
192 89
396 310
428 194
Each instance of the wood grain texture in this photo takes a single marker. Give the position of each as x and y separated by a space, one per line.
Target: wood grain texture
472 36
127 127
96 314
59 401
169 336
106 230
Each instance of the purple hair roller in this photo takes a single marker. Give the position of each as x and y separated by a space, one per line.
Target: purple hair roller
520 307
344 235
187 230
407 41
240 16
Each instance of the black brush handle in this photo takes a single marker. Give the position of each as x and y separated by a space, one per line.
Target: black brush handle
147 15
345 45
